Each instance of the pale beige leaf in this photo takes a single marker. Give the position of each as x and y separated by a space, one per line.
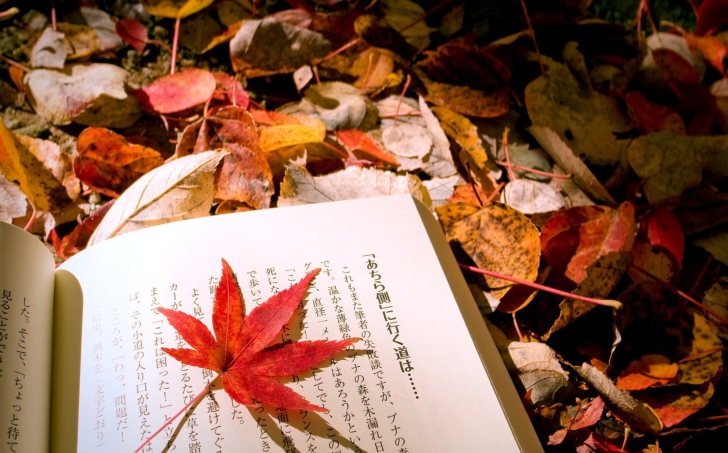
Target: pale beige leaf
299 187
181 189
49 51
440 189
572 164
440 163
637 415
573 194
12 200
532 197
339 105
102 24
62 96
717 300
543 386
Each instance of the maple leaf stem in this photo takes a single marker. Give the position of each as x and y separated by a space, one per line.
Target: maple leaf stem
351 43
335 149
536 172
53 16
533 35
160 44
14 63
472 184
682 294
495 193
401 96
32 215
9 12
702 274
548 289
175 41
518 329
509 166
424 16
182 411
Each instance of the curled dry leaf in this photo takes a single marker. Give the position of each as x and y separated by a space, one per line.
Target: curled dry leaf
465 133
181 189
39 167
244 175
230 90
376 32
500 239
532 197
295 47
584 416
466 79
90 94
81 41
637 415
12 200
579 236
109 164
101 22
299 187
178 91
670 164
585 120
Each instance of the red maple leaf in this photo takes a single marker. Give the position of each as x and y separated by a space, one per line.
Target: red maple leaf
241 350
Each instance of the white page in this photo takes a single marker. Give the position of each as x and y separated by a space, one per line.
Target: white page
445 401
26 316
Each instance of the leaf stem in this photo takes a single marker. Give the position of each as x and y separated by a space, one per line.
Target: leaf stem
182 411
424 16
558 292
536 172
509 166
401 96
533 35
33 215
175 41
682 294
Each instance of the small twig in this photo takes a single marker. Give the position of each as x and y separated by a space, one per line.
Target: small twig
558 292
182 411
392 115
351 43
535 171
533 35
424 16
175 41
338 151
401 96
701 354
682 294
495 193
316 75
701 274
9 12
14 63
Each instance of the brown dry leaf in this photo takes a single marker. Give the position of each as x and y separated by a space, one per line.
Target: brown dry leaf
466 79
376 32
92 95
716 299
244 175
585 120
465 133
49 51
601 277
199 33
499 239
570 163
403 13
109 164
181 189
577 417
299 187
647 371
378 74
80 40
250 49
654 260
39 167
13 203
532 197
174 8
637 415
102 24
671 163
701 349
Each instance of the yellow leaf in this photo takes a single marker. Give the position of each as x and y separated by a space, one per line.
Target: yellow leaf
174 8
276 137
465 133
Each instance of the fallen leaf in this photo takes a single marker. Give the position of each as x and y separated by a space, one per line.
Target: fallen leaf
197 33
441 189
637 415
133 33
81 41
570 163
675 404
339 105
299 187
670 164
581 235
279 136
572 193
244 174
466 79
712 14
49 51
76 240
178 91
452 22
499 239
294 47
376 32
89 94
355 140
585 120
653 117
703 356
465 133
532 197
240 348
652 259
716 244
439 163
109 164
376 68
647 371
230 90
584 416
13 203
181 189
716 299
465 193
101 23
403 13
710 47
39 167
174 8
600 278
671 55
543 387
664 230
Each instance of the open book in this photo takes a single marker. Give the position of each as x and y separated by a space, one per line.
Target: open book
81 365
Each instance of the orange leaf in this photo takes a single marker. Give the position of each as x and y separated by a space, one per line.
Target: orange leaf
649 370
109 164
354 139
241 348
712 49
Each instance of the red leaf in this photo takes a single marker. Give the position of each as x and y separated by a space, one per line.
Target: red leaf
663 230
712 14
353 139
588 233
241 348
133 32
653 117
230 90
76 240
177 92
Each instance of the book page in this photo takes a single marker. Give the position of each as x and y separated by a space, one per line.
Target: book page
26 316
416 381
